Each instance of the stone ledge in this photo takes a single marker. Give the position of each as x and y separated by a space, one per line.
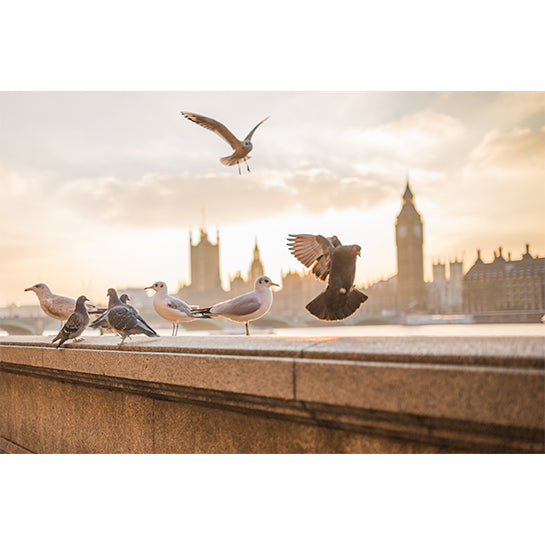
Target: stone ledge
479 395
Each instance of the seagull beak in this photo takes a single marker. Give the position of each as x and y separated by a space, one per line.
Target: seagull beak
274 284
149 288
28 289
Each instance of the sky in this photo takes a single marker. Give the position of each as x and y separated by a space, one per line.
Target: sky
101 189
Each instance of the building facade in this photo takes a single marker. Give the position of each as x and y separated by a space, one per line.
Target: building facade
505 284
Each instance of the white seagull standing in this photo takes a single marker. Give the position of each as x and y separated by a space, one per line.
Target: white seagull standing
246 307
242 148
171 308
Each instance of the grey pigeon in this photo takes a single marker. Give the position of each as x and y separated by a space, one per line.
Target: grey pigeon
328 257
76 323
242 149
125 320
102 321
246 307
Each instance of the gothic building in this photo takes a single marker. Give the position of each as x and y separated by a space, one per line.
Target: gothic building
505 284
256 268
205 263
411 289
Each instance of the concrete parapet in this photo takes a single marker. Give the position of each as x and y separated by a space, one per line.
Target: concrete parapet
273 394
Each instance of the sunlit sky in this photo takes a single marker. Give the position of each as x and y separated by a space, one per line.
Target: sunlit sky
101 189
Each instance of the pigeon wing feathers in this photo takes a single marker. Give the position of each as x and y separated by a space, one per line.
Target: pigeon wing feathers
214 126
310 248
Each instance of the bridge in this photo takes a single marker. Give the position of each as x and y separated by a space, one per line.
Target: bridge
33 325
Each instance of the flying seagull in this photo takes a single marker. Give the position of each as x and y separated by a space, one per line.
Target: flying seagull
328 257
246 307
125 320
242 149
56 306
171 308
76 323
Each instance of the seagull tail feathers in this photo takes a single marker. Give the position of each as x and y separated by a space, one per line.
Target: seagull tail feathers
232 160
203 312
331 306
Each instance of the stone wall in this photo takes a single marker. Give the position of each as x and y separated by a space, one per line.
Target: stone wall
272 395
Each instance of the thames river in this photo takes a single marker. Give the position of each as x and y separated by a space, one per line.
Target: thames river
431 330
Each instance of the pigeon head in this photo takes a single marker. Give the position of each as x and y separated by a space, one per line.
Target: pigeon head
158 286
264 281
39 288
124 298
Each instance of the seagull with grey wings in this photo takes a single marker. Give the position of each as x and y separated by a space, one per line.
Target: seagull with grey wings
124 319
328 257
171 308
56 306
75 324
241 148
246 307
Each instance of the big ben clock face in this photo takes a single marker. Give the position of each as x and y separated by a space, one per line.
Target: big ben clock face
417 230
402 231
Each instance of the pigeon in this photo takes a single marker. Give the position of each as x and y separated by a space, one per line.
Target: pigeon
76 323
328 257
242 149
56 306
102 321
125 320
171 308
246 307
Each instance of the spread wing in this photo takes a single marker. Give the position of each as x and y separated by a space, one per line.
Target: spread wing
251 133
214 126
309 249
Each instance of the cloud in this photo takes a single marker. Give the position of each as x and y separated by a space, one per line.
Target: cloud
518 152
161 201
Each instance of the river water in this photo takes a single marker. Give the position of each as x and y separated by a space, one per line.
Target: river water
339 330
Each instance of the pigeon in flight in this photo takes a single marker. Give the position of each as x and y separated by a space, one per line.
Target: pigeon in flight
328 257
242 149
125 320
56 306
76 323
246 307
171 308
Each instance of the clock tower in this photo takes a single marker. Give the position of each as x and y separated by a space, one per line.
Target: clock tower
411 290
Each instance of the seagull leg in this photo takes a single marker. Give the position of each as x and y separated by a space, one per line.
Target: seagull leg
247 329
176 330
238 165
247 166
173 325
